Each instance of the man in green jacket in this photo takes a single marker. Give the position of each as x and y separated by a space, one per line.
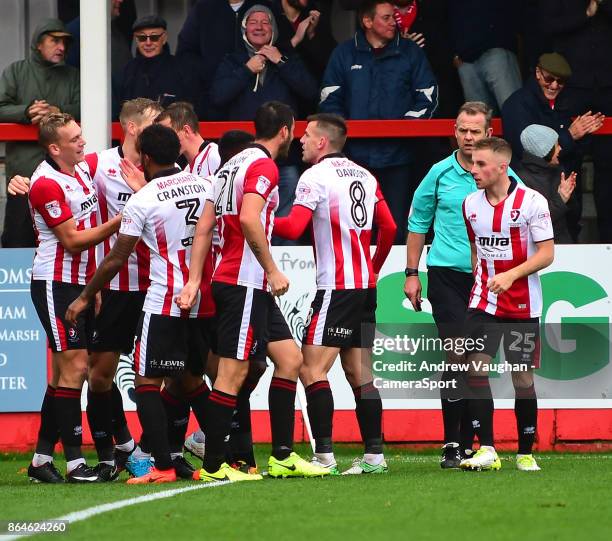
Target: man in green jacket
29 90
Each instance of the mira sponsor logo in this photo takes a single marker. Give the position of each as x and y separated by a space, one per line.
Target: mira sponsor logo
494 242
90 202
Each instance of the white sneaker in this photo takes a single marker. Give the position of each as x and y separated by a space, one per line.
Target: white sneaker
360 466
526 463
483 460
194 447
331 466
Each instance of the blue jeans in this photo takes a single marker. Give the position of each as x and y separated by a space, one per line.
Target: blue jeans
492 78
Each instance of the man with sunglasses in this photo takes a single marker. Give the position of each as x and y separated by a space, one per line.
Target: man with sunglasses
155 73
542 100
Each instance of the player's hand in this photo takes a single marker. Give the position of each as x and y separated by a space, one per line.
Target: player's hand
75 309
500 283
566 186
98 303
133 176
418 38
413 290
187 297
278 283
18 185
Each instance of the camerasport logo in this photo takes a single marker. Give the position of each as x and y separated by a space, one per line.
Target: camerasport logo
73 335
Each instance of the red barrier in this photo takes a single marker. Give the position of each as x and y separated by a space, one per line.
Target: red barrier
356 128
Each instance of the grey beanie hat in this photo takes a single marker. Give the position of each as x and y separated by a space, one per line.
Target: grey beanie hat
538 140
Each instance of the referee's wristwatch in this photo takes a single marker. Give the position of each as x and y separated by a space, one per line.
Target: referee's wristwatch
408 271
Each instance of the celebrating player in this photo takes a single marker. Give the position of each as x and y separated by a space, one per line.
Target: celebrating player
64 206
343 201
244 283
511 236
164 214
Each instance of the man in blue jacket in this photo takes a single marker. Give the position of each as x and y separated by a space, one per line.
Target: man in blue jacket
379 75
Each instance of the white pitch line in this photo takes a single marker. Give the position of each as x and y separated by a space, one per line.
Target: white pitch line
84 514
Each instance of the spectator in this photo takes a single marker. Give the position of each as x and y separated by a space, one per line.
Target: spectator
540 101
581 30
540 170
212 30
29 90
379 75
154 73
484 35
123 15
312 38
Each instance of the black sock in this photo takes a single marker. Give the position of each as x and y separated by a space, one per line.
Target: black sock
369 416
69 419
526 412
466 430
240 446
177 415
218 418
480 405
453 406
152 416
144 443
321 414
197 400
48 433
281 402
100 417
121 432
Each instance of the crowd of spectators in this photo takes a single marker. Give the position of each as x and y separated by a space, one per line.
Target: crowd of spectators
543 62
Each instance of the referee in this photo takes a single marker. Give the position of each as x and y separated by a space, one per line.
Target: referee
438 200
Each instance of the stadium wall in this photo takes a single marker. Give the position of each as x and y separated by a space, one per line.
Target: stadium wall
573 384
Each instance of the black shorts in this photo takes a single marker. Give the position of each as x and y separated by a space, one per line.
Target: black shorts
343 318
448 291
208 330
247 320
166 346
521 337
51 300
116 323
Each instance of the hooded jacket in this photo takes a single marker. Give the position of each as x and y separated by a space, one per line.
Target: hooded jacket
24 81
545 178
238 92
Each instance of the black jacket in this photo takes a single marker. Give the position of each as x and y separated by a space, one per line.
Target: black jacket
212 30
162 78
529 106
585 42
543 177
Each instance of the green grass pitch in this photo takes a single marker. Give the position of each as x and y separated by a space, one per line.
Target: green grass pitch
569 499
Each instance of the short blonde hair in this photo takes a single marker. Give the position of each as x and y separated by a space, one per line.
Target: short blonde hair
49 125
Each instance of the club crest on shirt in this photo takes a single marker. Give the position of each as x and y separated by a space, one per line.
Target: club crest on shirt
263 184
53 208
514 214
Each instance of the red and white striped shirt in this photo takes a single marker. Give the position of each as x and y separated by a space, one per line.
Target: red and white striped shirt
342 196
164 214
250 171
113 194
206 162
54 198
505 236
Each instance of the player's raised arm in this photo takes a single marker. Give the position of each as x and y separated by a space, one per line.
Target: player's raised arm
292 227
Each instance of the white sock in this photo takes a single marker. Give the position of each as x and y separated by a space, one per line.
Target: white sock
128 447
72 464
373 459
174 455
326 459
199 437
39 460
139 454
